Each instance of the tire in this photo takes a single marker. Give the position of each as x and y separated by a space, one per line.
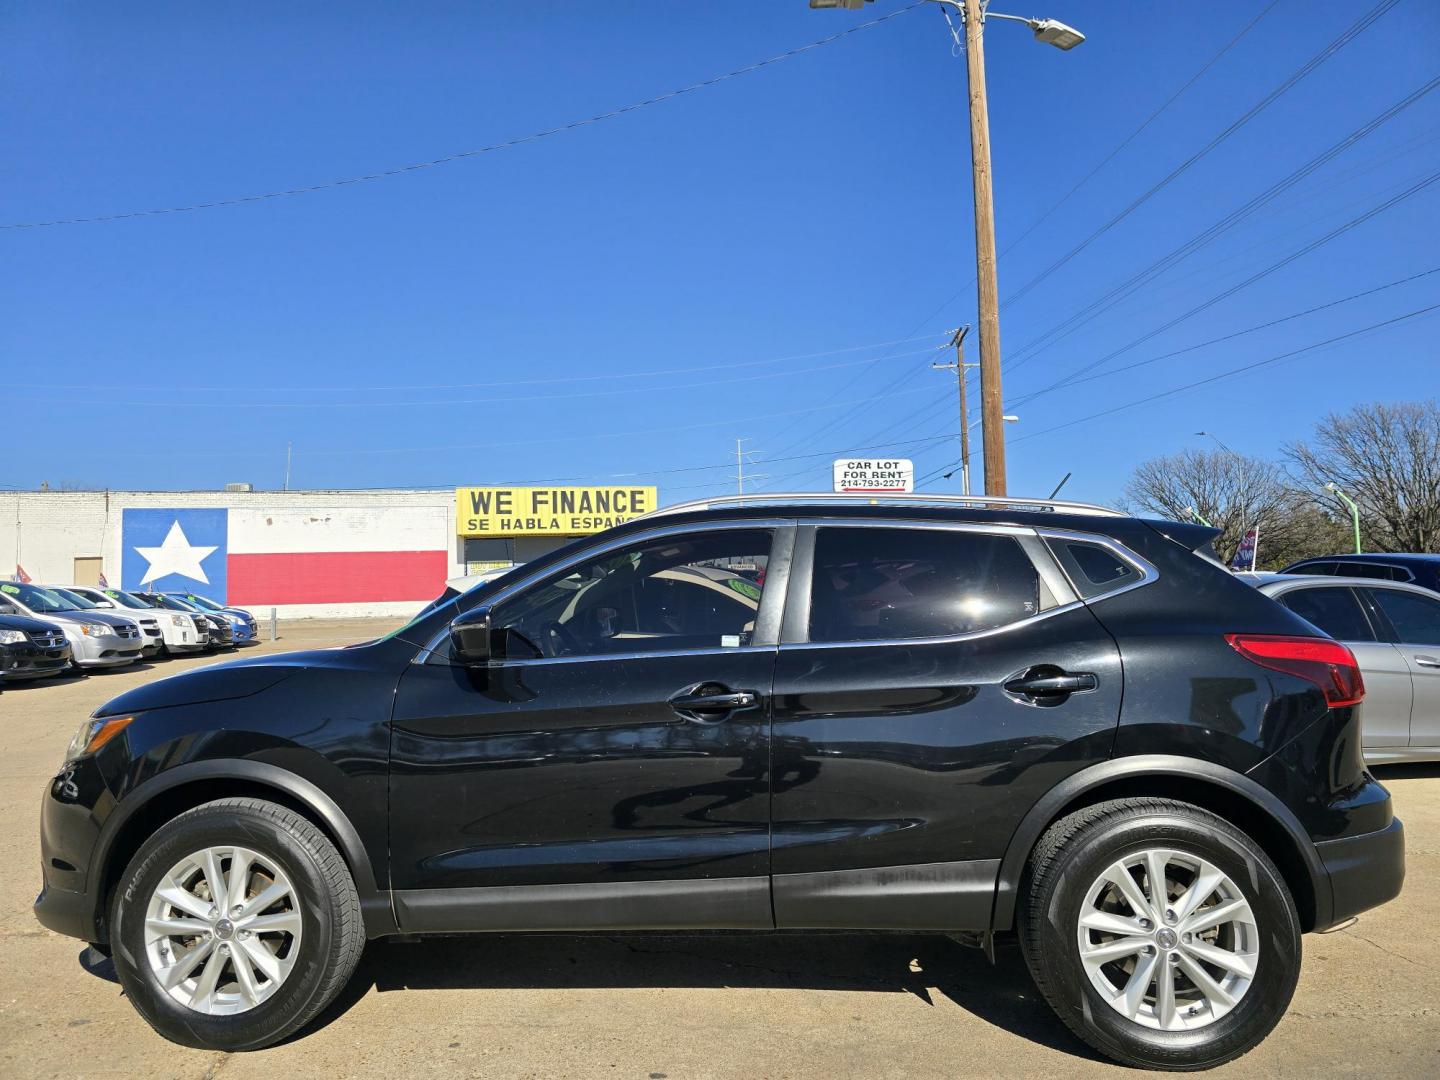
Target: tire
1190 1025
294 970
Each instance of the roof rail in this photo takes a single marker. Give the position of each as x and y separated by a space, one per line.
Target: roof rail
899 498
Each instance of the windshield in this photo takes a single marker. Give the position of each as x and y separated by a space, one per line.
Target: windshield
160 600
84 603
203 603
125 599
36 598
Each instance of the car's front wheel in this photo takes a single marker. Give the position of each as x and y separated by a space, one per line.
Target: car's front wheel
234 924
1162 935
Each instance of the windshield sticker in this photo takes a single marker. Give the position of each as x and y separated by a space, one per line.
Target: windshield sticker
10 589
744 588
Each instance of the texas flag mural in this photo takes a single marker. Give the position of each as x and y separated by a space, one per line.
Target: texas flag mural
267 558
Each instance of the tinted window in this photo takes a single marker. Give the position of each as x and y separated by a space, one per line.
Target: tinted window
881 584
1416 618
1310 568
699 591
1332 611
1377 571
1093 568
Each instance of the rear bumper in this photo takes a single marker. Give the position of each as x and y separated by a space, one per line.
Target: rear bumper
1365 871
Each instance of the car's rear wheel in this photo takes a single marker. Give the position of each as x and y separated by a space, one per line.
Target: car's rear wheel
1161 934
234 925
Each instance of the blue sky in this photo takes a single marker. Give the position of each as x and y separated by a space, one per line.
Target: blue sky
773 258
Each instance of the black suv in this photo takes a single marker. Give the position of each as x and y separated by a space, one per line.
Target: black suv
896 714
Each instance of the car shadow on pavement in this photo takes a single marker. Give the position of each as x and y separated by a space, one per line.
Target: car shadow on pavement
924 966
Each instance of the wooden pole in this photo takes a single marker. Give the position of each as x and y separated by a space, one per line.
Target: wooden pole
992 427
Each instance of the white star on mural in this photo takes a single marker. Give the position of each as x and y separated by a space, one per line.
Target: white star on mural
175 556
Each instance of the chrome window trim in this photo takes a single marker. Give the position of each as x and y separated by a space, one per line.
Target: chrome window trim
638 538
1046 567
1148 573
587 658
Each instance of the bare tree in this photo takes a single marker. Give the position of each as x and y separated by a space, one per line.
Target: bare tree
1386 458
1233 493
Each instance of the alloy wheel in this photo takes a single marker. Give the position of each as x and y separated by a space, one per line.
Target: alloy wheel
1168 939
222 930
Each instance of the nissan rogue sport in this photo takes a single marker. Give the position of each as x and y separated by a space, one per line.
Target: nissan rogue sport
899 713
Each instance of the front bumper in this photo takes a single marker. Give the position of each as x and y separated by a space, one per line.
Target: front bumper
105 650
28 661
1365 871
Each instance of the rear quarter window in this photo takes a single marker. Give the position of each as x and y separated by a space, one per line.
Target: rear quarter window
1093 568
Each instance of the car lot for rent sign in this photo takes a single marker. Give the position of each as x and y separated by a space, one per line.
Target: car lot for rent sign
554 511
870 475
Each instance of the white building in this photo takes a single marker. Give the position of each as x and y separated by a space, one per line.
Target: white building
304 553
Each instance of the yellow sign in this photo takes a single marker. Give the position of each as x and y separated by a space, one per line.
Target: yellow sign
554 511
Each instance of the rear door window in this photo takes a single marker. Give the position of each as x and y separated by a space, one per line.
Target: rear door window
1333 611
1416 618
885 584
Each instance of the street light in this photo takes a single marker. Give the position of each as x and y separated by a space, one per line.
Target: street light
1052 32
1334 489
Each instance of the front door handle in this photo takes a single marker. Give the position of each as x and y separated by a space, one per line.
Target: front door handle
1427 661
1050 684
712 701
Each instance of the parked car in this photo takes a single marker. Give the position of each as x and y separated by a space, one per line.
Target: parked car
97 638
920 721
179 632
31 649
1394 632
219 631
242 623
151 637
462 584
1422 570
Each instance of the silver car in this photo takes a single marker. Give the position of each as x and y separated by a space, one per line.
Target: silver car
97 638
1394 631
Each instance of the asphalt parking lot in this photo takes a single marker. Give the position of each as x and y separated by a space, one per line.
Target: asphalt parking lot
673 1006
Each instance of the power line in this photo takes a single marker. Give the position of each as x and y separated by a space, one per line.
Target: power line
432 403
1231 336
1230 373
1224 294
1144 124
1060 202
1349 35
600 376
463 154
1207 236
1333 234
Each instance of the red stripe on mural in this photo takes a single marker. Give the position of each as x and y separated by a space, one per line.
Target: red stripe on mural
335 577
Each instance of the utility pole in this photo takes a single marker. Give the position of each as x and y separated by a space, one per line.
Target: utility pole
288 447
958 366
992 427
739 467
1047 32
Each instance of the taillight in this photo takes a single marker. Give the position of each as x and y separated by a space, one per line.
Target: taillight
1328 664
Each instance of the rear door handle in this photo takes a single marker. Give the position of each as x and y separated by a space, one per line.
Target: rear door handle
712 701
1051 685
1427 661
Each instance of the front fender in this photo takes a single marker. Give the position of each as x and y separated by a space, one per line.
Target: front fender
374 902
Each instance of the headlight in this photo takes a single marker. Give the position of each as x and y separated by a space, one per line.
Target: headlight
96 629
11 637
94 734
180 621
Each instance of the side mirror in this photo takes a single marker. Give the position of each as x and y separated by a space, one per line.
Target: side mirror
105 603
472 638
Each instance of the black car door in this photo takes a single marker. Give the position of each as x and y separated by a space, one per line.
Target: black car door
611 769
932 683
